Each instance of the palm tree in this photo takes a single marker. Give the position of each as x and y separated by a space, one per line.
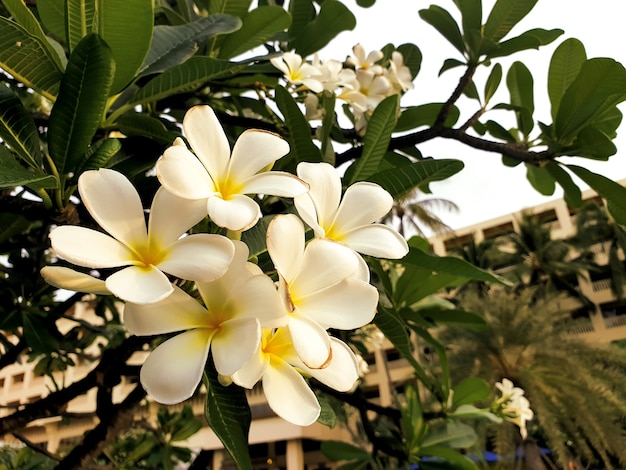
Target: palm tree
595 225
575 387
412 214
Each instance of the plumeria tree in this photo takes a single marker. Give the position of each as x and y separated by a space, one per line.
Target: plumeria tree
212 185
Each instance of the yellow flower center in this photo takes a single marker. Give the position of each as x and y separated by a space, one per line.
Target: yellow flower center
149 254
228 187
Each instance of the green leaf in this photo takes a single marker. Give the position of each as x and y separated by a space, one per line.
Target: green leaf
11 224
398 181
460 461
27 59
540 179
339 450
79 109
492 83
613 192
52 14
22 14
230 7
182 78
469 391
445 24
592 143
333 18
38 335
146 126
377 137
456 435
453 316
499 132
599 86
571 192
12 174
18 130
519 81
173 45
302 147
504 15
532 39
302 12
450 64
258 26
116 19
79 17
471 13
99 154
565 65
412 57
414 117
450 265
228 414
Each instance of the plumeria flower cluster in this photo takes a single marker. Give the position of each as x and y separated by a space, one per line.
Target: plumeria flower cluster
254 328
513 406
361 81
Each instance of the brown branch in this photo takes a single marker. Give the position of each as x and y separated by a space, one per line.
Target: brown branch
36 447
55 403
117 419
464 82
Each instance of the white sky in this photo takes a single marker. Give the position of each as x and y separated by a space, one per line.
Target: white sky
485 188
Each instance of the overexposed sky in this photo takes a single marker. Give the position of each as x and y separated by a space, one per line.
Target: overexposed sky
485 188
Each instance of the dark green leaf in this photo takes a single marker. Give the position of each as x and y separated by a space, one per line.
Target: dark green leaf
399 181
99 154
38 334
377 137
452 458
333 18
531 39
504 15
412 57
12 224
79 16
365 3
228 414
599 86
172 45
302 147
52 14
450 64
258 26
456 435
492 83
452 316
469 391
519 81
27 59
114 20
18 130
592 143
414 117
499 132
444 23
230 7
302 12
182 78
613 192
472 14
12 174
565 65
540 179
79 109
144 125
339 450
571 192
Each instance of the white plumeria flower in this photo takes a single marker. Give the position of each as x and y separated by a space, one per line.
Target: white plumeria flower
364 61
66 278
399 74
374 87
319 288
148 253
277 363
221 180
237 306
514 405
348 221
298 72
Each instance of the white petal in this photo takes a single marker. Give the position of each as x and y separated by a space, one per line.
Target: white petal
174 369
171 216
89 248
114 203
258 298
238 213
235 343
310 341
66 278
325 189
254 150
139 285
324 263
252 371
343 371
285 245
308 213
181 173
346 305
199 257
275 183
288 394
362 203
377 240
207 139
179 311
